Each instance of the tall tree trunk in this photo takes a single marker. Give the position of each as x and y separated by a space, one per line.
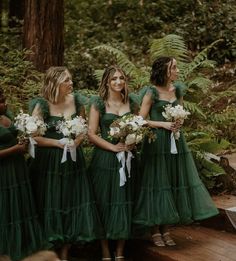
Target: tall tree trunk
44 32
16 12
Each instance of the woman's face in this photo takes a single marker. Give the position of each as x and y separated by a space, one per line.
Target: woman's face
172 70
117 82
66 86
3 104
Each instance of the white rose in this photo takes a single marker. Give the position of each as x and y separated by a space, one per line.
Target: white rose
130 139
31 127
139 138
66 132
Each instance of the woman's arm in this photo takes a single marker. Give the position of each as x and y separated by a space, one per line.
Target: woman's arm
94 116
16 149
144 111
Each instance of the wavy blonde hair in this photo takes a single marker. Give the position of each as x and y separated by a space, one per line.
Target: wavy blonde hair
53 78
105 82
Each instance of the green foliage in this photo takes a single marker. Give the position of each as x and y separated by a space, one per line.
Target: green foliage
208 170
171 45
18 78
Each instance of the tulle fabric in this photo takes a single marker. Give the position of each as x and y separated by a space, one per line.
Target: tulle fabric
171 190
20 232
114 202
63 191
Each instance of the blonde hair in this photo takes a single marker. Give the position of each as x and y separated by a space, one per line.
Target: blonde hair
106 79
53 78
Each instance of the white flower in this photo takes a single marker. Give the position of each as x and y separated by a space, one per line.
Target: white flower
31 127
175 113
130 139
139 120
139 138
72 128
114 131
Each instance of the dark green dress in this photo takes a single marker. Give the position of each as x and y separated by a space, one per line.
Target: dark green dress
20 232
114 202
62 190
171 190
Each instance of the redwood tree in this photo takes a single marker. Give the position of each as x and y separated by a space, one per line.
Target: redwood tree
44 32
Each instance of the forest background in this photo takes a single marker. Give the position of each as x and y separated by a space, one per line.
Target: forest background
86 36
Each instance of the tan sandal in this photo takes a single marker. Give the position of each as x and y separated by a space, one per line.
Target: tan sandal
157 240
168 240
119 257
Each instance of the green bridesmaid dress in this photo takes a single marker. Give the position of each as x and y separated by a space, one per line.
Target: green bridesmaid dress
63 191
114 202
171 190
20 233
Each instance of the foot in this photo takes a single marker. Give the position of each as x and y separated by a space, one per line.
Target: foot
157 240
120 258
168 240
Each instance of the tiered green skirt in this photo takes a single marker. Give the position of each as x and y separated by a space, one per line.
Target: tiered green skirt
114 202
64 197
20 233
171 190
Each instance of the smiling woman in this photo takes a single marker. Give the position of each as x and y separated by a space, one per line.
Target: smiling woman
114 201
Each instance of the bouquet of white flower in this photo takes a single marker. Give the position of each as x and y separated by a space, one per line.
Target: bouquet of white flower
71 128
129 129
176 113
29 127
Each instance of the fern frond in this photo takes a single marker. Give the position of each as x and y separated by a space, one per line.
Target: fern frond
170 45
225 116
98 75
194 108
198 61
200 82
122 59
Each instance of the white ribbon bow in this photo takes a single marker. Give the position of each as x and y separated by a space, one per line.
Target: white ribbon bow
121 158
69 145
173 148
31 147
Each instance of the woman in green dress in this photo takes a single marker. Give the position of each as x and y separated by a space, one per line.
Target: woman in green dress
62 190
20 232
114 200
171 190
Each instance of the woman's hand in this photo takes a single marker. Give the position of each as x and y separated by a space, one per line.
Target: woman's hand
130 147
21 148
79 139
179 123
169 126
118 147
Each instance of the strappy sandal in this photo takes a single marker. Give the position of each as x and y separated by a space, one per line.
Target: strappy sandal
119 257
106 258
157 240
168 240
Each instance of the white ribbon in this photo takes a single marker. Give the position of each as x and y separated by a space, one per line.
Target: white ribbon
31 148
68 146
173 148
121 158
